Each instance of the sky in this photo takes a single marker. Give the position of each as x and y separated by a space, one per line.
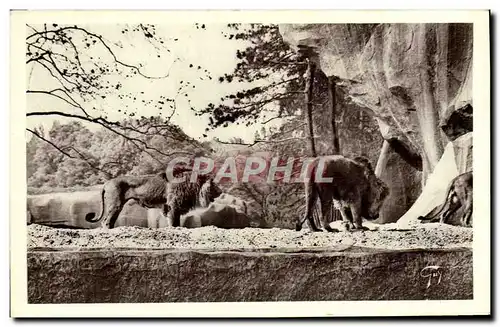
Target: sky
207 48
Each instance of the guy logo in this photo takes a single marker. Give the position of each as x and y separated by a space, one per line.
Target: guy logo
433 273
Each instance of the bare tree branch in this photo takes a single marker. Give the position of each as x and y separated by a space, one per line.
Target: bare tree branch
101 40
271 119
52 93
266 141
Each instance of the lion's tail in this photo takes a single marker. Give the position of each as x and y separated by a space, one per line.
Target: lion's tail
90 217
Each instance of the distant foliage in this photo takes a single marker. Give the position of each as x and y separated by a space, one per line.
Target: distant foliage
100 155
93 75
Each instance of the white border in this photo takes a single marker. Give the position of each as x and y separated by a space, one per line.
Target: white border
481 85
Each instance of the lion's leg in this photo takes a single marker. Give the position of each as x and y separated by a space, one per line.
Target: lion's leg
112 205
467 211
326 206
169 214
111 216
165 210
465 200
174 217
451 205
311 197
356 216
347 221
466 222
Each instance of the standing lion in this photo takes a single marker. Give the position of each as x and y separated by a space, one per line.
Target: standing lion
185 195
155 191
353 186
147 190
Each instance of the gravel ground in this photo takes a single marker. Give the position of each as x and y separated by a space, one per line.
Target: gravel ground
386 237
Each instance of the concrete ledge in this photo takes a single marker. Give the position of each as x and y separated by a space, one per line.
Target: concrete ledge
139 275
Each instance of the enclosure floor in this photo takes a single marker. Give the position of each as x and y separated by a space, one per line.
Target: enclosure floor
427 236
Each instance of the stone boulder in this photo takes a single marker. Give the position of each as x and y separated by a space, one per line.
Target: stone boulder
231 200
69 209
227 211
156 218
217 214
405 186
457 122
64 209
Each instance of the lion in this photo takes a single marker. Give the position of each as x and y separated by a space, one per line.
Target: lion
353 187
155 191
147 190
186 195
459 194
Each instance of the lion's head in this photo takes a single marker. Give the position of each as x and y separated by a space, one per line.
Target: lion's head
209 191
376 193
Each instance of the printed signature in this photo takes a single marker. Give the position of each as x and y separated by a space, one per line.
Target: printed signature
433 273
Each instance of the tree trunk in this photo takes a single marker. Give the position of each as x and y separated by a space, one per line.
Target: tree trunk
333 115
308 90
334 214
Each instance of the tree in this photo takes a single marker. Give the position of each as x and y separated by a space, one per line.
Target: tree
288 88
82 70
308 91
273 79
272 69
112 154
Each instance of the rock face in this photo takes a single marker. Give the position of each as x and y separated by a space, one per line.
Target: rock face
413 77
69 210
131 276
457 122
227 211
403 72
404 183
457 159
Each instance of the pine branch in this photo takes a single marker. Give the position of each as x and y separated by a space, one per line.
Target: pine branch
266 141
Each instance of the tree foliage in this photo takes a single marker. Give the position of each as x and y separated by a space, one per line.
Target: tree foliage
272 68
86 158
84 71
276 75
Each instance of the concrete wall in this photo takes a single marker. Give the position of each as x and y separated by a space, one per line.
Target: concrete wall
128 275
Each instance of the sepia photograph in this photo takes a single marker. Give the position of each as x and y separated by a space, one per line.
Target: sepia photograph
311 160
